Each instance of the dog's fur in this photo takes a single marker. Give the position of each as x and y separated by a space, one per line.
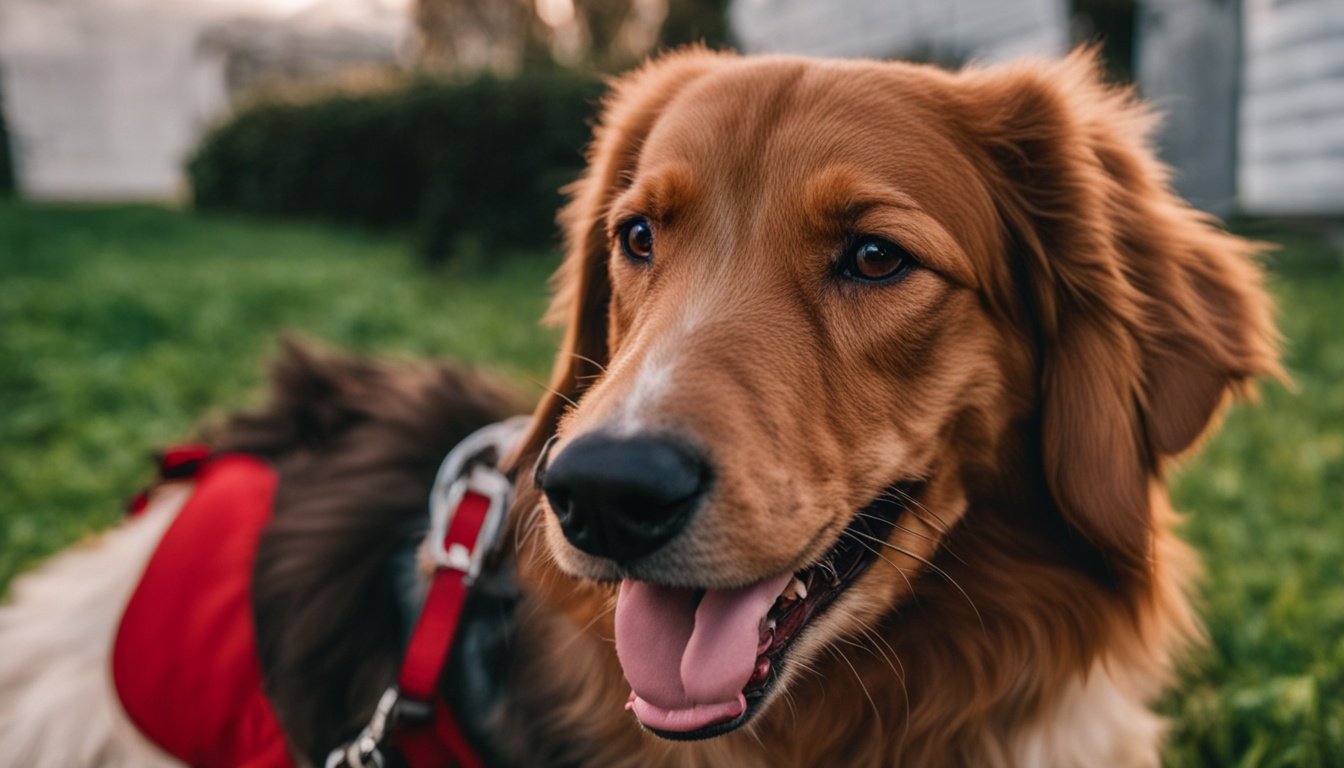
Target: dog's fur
1070 327
356 446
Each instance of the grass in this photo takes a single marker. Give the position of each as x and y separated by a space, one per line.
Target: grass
1265 504
120 327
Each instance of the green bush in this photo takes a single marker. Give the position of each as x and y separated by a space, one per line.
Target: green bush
483 158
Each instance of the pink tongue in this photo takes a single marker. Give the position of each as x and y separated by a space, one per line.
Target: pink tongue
689 660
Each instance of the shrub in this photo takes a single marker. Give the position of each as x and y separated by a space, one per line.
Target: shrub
484 158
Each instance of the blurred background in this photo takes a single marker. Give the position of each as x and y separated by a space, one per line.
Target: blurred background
182 180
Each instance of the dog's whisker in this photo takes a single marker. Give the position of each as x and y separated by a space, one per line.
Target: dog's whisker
898 526
751 731
913 532
583 630
925 515
793 709
902 496
600 367
918 505
930 565
830 568
877 713
898 568
876 636
553 391
527 528
873 651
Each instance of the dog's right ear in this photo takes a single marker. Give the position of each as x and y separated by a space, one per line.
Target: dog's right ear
1147 315
581 290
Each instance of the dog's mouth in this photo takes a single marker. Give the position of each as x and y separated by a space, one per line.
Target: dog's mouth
701 662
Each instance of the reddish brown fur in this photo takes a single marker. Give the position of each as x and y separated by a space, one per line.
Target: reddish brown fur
1074 325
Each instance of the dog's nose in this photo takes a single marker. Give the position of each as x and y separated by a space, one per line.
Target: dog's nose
623 498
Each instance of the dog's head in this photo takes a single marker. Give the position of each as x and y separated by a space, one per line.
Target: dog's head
817 310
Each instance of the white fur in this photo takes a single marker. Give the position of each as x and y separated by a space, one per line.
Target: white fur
58 707
1093 722
653 381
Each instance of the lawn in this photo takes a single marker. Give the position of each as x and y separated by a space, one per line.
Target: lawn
121 326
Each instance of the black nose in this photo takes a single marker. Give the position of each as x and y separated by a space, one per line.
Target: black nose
622 498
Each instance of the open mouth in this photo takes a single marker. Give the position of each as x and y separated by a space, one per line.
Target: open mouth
701 662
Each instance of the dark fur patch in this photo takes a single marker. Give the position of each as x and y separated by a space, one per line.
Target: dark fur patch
356 445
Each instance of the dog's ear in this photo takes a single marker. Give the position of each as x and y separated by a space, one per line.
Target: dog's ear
1147 314
316 396
581 289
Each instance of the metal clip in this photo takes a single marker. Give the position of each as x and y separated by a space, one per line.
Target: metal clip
463 472
366 749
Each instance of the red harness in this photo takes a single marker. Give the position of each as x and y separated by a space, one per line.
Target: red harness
185 660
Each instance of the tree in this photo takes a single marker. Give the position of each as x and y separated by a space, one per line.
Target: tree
506 35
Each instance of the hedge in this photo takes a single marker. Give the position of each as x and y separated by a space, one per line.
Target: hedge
483 158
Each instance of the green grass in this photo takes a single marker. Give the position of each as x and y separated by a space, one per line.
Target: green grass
120 327
1265 506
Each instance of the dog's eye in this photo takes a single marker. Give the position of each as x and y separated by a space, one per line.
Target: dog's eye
872 259
637 239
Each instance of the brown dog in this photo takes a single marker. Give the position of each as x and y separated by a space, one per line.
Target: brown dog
855 452
922 341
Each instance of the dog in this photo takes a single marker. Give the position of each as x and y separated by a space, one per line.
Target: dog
854 452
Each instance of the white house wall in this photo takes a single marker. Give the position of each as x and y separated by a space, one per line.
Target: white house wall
947 31
1292 108
104 99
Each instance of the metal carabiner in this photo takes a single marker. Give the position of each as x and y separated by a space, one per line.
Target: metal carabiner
365 751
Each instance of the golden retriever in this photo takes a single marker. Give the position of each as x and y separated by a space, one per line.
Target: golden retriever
854 452
920 341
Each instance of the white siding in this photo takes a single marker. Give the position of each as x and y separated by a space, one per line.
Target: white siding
104 98
96 99
1188 52
1292 108
939 30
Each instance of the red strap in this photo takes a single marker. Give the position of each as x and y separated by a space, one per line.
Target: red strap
175 463
440 742
185 661
182 460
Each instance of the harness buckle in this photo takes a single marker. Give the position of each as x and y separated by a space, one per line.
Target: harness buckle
483 481
470 469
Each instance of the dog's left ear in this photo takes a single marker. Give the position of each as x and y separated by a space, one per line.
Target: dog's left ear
1147 314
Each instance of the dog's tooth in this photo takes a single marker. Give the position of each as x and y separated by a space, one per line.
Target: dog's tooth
761 670
766 637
